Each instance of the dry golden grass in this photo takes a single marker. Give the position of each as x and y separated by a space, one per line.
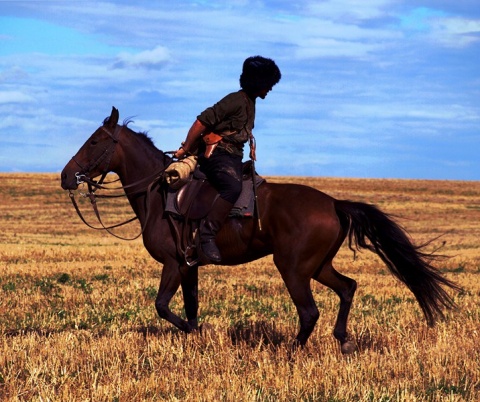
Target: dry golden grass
78 323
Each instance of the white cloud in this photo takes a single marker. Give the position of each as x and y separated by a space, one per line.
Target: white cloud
324 47
348 9
148 59
388 110
455 32
320 35
440 27
15 97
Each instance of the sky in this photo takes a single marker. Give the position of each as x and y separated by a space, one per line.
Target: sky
369 89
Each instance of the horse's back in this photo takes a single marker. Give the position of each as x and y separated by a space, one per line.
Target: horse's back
296 197
298 210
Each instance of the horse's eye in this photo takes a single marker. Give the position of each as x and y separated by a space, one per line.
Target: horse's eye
93 142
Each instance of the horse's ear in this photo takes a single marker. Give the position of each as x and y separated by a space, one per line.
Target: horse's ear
113 119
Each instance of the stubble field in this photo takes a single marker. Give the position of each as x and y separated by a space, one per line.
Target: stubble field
78 322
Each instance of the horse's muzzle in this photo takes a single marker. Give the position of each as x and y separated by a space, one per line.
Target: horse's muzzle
69 180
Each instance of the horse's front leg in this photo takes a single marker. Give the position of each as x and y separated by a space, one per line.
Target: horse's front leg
190 294
169 284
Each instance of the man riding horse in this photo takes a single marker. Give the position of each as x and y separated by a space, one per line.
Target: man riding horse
225 128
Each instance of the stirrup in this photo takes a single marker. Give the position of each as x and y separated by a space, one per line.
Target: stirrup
189 254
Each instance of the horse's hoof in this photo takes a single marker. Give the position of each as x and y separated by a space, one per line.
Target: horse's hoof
206 328
348 347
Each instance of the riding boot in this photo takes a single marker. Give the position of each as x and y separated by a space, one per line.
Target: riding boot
211 225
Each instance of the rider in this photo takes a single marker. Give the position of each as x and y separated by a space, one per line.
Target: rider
230 122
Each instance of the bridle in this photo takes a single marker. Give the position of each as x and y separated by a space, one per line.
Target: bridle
106 155
93 185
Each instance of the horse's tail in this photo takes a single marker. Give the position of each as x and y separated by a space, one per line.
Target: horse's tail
405 260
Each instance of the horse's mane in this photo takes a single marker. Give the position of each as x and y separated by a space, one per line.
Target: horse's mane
142 134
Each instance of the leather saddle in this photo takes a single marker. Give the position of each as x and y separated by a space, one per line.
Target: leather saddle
195 199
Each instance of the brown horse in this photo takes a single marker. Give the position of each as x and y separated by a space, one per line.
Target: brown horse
302 227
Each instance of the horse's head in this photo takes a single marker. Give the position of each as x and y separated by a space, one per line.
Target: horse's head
94 158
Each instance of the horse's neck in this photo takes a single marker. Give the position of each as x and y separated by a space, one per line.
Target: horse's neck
140 168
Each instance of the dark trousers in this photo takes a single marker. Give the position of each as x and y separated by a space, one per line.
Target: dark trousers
224 171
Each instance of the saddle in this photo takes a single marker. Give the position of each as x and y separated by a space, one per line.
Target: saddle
195 199
188 205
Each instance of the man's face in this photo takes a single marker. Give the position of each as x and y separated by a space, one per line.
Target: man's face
263 93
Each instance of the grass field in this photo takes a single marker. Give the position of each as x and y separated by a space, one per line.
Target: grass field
78 322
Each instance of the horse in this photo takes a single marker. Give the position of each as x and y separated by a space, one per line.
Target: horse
302 227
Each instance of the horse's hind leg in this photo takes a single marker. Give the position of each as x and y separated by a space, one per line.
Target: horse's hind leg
345 288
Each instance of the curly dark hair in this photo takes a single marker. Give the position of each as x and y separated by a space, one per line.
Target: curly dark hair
259 73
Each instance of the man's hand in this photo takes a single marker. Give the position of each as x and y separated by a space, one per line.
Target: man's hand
180 154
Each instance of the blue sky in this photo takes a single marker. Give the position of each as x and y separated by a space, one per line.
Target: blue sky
378 89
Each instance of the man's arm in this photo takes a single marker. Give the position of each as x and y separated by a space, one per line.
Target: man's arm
190 144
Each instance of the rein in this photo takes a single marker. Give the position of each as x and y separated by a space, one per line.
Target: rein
92 196
93 186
